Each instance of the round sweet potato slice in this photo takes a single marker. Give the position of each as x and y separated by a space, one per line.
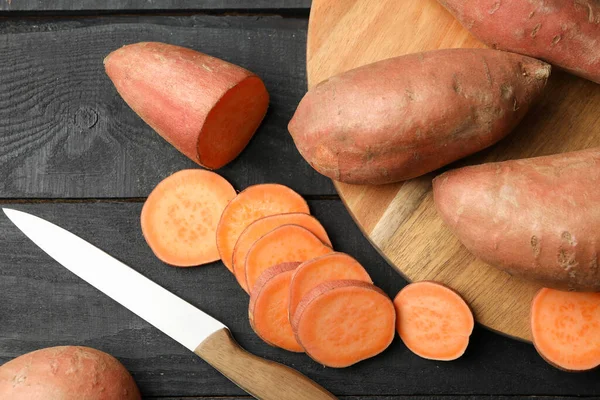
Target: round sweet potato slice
340 323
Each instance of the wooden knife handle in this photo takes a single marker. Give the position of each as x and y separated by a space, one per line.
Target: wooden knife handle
261 378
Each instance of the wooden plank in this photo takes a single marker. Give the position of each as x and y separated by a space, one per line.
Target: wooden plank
409 397
65 132
137 5
449 397
42 304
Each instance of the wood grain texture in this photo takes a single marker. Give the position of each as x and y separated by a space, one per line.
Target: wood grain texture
264 379
42 304
66 133
400 219
137 5
375 397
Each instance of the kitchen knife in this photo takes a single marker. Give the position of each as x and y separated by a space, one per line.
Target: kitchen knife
196 330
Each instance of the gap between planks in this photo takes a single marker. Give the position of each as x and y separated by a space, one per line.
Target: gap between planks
283 13
330 197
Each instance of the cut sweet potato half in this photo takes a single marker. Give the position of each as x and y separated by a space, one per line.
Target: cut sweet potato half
288 243
330 267
251 204
205 107
566 328
433 321
268 307
340 323
264 225
179 219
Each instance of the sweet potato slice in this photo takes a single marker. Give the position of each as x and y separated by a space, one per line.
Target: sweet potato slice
288 243
179 219
205 107
268 307
330 267
340 323
566 328
433 321
251 204
263 226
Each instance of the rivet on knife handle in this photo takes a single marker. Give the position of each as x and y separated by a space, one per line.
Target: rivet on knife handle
261 378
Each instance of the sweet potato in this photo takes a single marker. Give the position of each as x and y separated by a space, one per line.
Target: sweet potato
403 117
251 204
330 267
288 243
261 227
205 107
268 309
563 33
66 373
340 323
566 328
537 218
433 321
179 218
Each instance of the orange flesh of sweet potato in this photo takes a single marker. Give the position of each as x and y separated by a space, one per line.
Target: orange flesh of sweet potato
535 218
66 373
330 267
403 117
264 225
340 323
179 219
433 321
205 107
251 204
268 310
563 33
566 328
288 243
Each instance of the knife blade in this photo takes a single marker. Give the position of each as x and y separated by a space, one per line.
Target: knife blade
204 335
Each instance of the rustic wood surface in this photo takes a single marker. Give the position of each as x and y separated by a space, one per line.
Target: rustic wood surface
67 133
73 153
142 5
400 219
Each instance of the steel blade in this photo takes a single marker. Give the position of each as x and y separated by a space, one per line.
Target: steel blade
161 308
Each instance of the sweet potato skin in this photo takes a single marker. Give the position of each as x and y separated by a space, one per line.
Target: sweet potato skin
173 89
403 117
563 33
66 373
536 218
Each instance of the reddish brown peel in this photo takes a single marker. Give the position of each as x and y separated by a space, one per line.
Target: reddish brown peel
535 218
340 323
563 33
205 107
180 217
402 117
433 321
264 225
66 373
566 328
288 243
269 305
330 267
251 204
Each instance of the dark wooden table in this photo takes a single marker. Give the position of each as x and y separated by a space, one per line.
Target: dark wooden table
71 151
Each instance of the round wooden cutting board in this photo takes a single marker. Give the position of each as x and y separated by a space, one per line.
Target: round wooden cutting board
400 219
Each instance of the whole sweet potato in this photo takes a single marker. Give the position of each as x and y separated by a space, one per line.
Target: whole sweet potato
205 107
537 218
563 33
66 373
403 117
